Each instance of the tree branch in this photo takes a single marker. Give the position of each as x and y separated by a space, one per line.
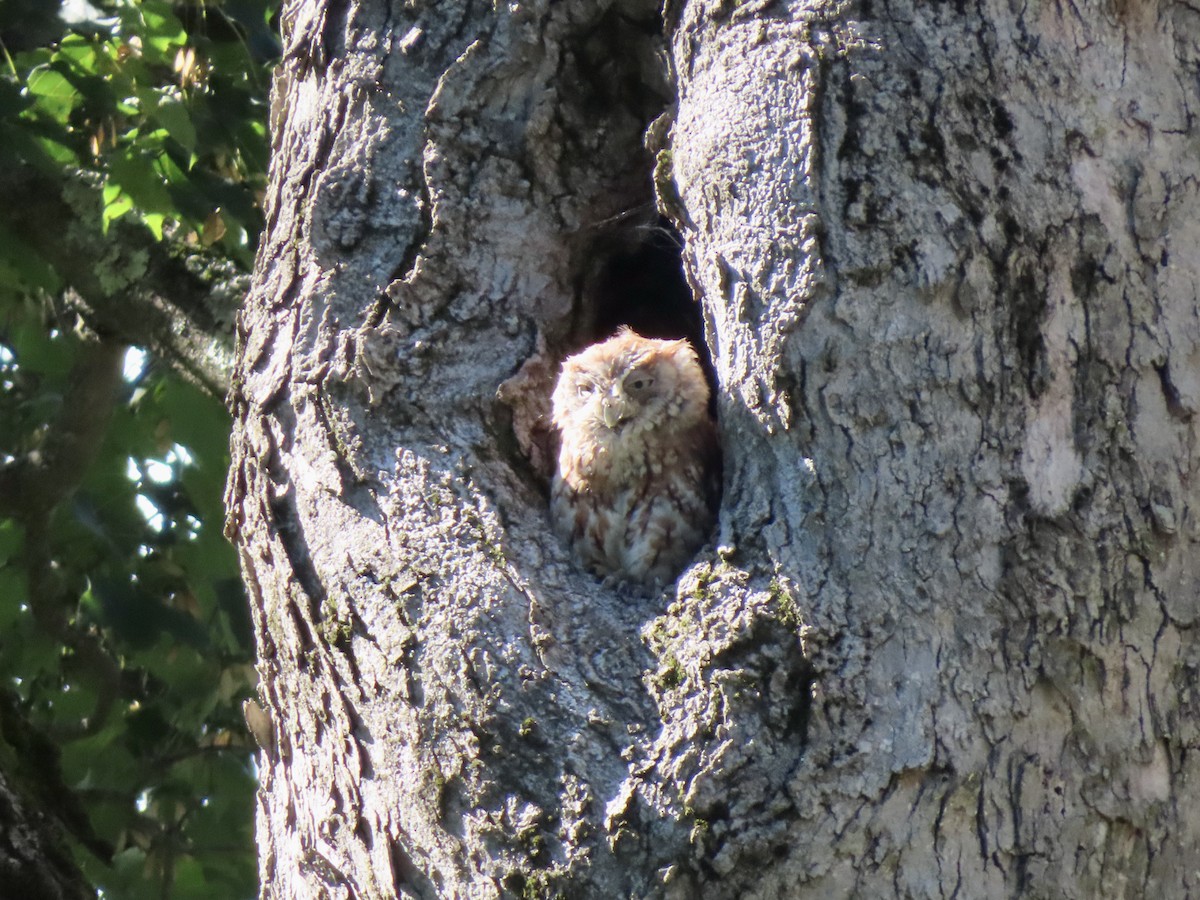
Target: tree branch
33 862
146 292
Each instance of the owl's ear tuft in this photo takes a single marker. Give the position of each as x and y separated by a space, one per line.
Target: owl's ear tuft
682 352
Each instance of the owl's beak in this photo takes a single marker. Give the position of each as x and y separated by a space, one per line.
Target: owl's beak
610 411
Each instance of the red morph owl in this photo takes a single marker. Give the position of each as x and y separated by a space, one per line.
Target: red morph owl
637 484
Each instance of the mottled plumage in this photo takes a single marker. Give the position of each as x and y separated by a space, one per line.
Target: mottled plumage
636 487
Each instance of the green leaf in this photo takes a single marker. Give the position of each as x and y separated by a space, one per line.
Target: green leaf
209 554
48 356
172 113
137 175
199 422
58 151
10 542
13 598
119 204
73 702
160 31
140 183
54 94
22 267
79 51
155 221
27 651
189 880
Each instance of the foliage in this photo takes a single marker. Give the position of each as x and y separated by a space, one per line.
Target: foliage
164 102
125 642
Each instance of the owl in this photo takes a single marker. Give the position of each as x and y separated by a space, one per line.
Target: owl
637 483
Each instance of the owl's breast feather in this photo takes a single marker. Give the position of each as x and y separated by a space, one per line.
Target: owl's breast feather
610 461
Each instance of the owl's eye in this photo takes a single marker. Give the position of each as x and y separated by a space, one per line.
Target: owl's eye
586 389
640 383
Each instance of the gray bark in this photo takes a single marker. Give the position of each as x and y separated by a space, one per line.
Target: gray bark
33 859
37 814
941 644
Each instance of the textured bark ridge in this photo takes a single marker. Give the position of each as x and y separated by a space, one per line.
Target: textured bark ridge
940 643
33 862
947 257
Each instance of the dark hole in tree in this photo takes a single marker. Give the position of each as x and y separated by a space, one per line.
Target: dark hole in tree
636 278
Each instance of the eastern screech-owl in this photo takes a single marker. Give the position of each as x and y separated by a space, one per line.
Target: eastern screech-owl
638 470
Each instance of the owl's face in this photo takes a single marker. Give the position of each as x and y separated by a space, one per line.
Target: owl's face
629 386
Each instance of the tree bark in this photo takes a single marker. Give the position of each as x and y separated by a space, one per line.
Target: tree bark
33 860
37 813
940 643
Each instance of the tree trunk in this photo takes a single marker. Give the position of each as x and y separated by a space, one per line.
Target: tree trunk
940 642
34 859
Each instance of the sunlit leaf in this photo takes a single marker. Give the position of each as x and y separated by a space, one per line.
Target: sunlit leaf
57 150
154 221
173 114
141 186
113 209
54 94
159 29
79 50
